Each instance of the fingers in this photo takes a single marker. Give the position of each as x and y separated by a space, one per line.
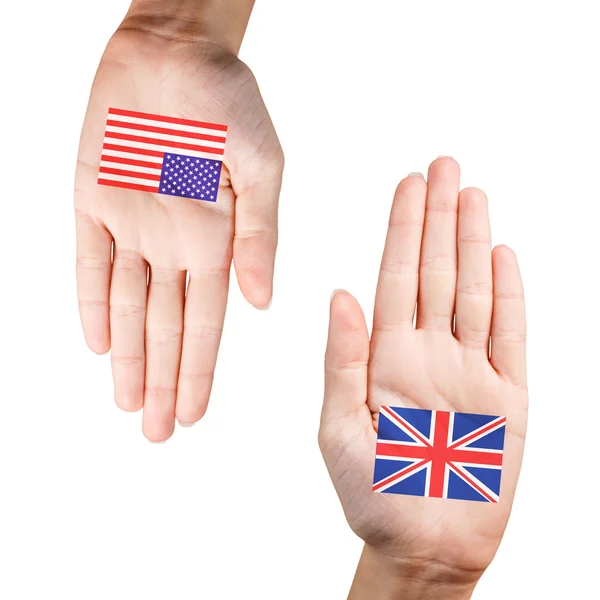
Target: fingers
508 317
398 283
346 359
255 240
94 247
474 282
205 306
164 329
437 273
128 293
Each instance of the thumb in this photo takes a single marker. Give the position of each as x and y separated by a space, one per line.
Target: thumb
346 358
255 241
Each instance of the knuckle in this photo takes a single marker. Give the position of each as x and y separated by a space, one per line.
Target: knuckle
475 239
246 234
92 263
436 322
400 267
165 275
439 263
204 332
128 260
475 341
197 377
126 361
160 336
509 337
210 273
509 296
475 288
348 366
160 392
127 311
84 303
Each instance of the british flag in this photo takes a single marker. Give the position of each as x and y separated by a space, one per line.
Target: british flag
439 454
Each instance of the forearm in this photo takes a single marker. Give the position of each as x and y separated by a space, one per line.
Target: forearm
381 578
222 22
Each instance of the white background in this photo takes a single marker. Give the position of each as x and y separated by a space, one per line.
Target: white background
240 506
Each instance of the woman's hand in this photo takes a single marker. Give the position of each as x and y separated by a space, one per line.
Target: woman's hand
438 261
136 249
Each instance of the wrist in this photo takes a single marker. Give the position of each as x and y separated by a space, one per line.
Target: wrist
381 577
219 22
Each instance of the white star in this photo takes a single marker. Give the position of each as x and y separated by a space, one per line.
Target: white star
192 194
188 160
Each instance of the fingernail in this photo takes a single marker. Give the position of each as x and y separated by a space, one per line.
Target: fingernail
334 293
415 174
186 424
446 156
159 442
268 306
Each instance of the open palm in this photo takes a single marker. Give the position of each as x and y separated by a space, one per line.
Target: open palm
136 250
438 259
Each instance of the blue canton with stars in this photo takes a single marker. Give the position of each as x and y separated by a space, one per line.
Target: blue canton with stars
190 177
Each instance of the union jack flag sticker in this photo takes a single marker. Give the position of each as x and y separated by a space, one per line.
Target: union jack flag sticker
439 454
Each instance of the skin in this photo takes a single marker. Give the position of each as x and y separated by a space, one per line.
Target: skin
438 263
135 250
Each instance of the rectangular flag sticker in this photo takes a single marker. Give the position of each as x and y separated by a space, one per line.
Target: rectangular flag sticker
439 454
164 155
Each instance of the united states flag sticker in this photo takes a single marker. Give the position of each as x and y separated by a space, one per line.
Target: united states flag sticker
439 454
164 155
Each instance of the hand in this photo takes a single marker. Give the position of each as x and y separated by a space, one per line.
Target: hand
437 257
165 341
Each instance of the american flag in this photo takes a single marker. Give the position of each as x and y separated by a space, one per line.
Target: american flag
439 454
164 155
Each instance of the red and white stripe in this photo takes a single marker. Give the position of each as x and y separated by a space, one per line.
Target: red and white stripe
135 144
